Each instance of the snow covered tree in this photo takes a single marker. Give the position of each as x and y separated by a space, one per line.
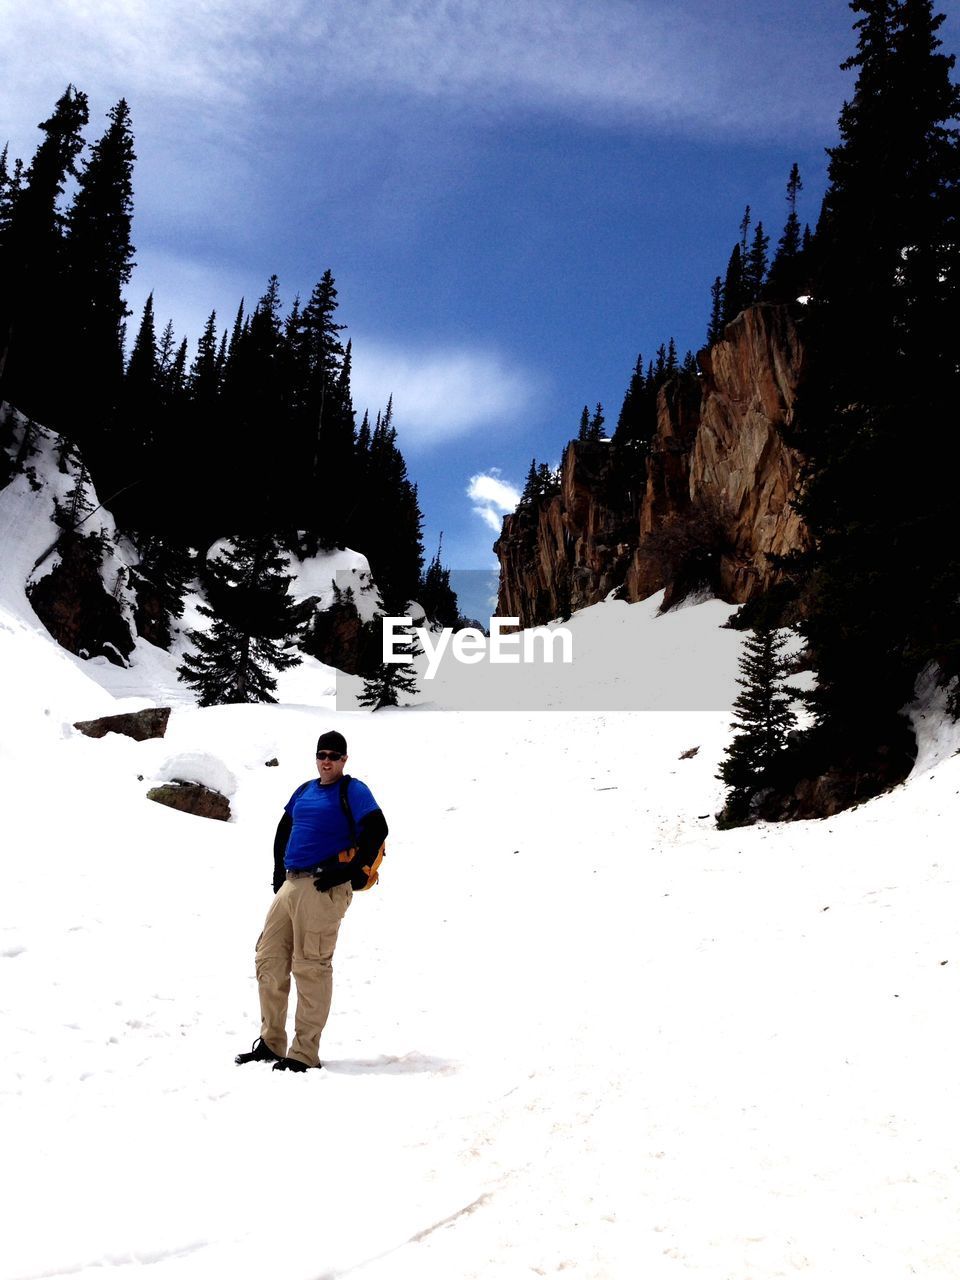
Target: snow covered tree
762 718
253 626
77 503
160 578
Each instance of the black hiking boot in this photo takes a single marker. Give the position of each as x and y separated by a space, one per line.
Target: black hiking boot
294 1064
260 1052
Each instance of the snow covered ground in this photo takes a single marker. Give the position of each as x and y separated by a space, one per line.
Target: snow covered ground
576 1030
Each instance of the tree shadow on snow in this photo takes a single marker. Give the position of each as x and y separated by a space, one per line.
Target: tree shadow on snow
387 1065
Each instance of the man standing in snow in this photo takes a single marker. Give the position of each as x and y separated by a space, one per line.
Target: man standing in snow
313 889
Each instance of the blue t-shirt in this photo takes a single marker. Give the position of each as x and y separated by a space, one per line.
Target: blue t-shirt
320 827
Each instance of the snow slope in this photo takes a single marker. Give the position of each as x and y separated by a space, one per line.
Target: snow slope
575 1030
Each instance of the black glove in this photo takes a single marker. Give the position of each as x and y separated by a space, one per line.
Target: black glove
332 873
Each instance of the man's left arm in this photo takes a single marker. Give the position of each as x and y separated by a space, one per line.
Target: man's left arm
371 831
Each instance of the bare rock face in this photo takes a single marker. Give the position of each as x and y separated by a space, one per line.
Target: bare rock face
338 637
666 499
140 725
739 459
572 551
717 498
192 797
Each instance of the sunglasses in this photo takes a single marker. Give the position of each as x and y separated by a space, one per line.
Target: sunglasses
330 755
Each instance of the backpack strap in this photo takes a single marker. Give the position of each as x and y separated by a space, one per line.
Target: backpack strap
345 806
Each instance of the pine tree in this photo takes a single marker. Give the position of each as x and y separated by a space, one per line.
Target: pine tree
786 270
391 680
548 482
530 494
734 290
143 368
755 270
99 259
324 421
11 185
173 381
77 504
881 339
388 530
204 383
437 598
715 324
762 717
160 579
632 423
31 263
744 231
253 626
591 428
255 399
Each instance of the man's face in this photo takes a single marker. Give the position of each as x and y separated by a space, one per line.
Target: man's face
330 770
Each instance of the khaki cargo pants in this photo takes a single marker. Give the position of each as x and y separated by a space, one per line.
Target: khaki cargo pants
299 937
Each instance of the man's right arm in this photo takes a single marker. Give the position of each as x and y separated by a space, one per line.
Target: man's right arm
284 827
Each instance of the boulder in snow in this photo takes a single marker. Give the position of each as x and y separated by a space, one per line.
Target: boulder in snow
192 797
139 725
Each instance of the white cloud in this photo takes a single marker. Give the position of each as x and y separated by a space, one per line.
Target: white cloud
489 488
492 497
706 63
438 395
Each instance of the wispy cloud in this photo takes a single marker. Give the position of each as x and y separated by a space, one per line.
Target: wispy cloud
439 395
701 63
492 497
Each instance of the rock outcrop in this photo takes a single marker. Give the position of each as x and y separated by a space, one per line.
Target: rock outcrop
139 725
750 382
192 797
716 500
75 607
570 552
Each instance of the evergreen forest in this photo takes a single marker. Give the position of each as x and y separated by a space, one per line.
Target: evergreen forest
251 434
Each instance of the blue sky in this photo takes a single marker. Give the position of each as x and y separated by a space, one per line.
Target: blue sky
515 197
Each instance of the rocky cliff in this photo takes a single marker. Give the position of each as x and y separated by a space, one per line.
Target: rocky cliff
712 507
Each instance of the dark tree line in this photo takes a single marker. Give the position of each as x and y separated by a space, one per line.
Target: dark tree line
252 436
878 593
876 419
752 276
